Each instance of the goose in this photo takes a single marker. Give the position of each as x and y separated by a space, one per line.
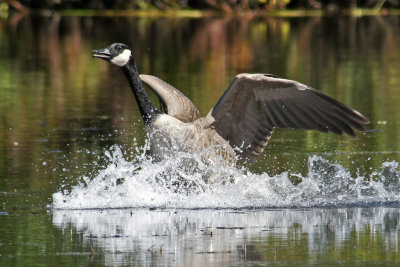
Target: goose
241 123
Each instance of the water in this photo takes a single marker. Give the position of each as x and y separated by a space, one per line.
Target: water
170 184
76 187
236 238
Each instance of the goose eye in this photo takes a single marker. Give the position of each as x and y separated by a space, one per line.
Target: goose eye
118 48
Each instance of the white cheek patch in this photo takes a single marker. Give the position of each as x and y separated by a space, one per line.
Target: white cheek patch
122 58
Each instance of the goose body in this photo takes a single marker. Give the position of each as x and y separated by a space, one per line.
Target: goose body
242 121
168 135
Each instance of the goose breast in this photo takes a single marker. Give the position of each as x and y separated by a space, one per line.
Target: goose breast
169 135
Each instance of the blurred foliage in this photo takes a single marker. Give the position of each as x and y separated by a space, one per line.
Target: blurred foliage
223 5
57 101
60 108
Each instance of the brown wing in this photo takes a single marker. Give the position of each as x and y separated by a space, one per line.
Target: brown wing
254 104
176 104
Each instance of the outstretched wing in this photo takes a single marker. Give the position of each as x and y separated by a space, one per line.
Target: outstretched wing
254 104
176 104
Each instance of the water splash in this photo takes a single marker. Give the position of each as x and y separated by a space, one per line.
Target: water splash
180 182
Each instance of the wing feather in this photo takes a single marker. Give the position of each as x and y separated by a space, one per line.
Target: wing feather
176 104
254 104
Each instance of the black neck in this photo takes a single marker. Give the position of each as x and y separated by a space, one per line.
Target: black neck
146 108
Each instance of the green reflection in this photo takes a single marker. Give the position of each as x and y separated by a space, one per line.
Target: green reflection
60 110
52 90
55 97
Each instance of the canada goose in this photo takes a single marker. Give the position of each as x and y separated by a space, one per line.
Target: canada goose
244 118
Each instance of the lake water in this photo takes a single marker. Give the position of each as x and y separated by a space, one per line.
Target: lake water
77 189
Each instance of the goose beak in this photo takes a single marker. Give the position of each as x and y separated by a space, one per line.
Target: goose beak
102 53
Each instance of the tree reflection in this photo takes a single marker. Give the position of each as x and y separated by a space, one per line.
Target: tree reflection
53 90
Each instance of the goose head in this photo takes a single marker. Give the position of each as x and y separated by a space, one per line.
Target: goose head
117 54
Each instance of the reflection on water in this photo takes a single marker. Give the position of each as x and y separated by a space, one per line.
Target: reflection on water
234 238
61 111
58 100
